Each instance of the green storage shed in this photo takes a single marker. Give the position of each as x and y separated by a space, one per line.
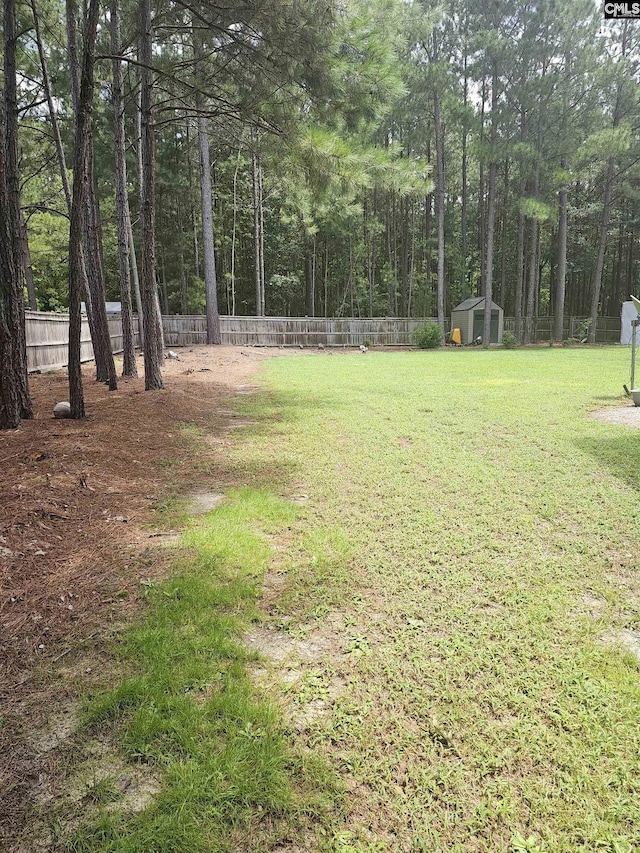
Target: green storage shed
468 316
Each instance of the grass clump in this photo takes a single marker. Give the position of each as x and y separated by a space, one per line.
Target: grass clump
189 709
428 336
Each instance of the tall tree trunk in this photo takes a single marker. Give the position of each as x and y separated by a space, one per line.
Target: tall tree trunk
194 216
89 249
79 207
152 340
308 277
596 279
412 265
440 209
182 273
158 335
463 211
519 294
561 271
129 367
64 175
233 235
503 237
258 232
210 283
532 267
136 279
10 405
11 175
481 196
491 212
404 257
326 279
10 402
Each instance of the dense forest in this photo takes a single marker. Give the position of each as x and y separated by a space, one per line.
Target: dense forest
382 158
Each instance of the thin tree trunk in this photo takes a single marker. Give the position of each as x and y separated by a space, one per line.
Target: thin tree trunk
64 175
308 277
129 367
440 211
79 208
519 294
503 237
257 234
136 280
194 216
326 279
532 271
233 235
261 239
152 343
412 265
596 280
481 196
561 272
161 283
26 265
210 283
90 261
463 211
184 293
491 212
158 334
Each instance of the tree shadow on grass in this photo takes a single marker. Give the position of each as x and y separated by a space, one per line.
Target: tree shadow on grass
620 454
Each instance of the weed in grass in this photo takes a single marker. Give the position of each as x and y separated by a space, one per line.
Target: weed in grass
102 791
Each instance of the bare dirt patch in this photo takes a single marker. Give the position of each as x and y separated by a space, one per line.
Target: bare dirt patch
79 501
623 415
624 639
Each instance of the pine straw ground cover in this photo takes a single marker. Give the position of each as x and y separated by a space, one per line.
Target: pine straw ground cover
80 504
413 629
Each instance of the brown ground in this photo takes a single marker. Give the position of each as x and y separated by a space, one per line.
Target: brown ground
628 415
76 502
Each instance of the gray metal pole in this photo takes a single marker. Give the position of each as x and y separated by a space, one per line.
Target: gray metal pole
634 332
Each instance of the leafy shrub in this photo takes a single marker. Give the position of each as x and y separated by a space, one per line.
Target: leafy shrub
428 336
509 340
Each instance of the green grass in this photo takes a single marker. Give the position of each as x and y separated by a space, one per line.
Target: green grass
188 708
461 505
480 503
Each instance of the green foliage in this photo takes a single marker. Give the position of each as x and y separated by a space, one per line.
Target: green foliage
428 336
509 340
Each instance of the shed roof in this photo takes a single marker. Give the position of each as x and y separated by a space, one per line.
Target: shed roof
475 302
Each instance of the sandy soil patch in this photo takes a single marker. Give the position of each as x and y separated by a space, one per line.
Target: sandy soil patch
625 415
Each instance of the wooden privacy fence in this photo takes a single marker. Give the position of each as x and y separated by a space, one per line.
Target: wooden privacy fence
48 339
48 333
182 331
607 329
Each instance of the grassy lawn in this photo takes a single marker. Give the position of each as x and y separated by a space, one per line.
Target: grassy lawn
450 548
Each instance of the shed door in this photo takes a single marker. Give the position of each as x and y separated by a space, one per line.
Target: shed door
478 325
